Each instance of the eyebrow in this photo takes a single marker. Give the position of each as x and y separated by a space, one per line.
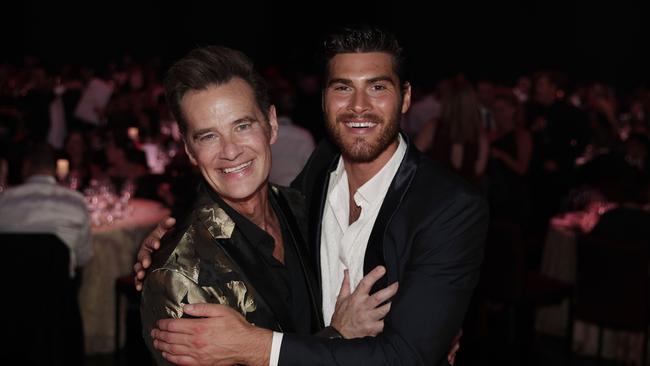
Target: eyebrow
369 81
381 78
202 131
339 81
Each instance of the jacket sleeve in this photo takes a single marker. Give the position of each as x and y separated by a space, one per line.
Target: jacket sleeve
439 276
163 295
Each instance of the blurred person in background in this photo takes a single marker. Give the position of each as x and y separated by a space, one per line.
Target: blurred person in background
40 205
560 133
510 154
295 144
457 139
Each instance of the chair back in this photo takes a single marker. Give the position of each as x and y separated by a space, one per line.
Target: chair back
44 322
612 282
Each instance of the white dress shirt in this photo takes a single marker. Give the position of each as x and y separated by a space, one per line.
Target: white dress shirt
40 205
343 246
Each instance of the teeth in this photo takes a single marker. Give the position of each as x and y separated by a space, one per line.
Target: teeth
238 168
361 124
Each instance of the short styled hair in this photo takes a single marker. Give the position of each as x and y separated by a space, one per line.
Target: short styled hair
211 66
363 40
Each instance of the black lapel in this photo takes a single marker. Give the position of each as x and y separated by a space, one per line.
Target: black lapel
254 268
252 265
399 185
312 182
316 209
313 287
208 250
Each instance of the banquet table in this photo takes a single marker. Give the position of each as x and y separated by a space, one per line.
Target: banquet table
114 249
559 261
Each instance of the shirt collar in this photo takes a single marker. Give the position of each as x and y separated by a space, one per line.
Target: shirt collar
377 185
250 230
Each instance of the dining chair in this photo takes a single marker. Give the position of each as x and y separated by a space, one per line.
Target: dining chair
43 323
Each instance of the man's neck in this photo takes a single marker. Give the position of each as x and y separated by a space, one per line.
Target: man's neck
360 173
256 208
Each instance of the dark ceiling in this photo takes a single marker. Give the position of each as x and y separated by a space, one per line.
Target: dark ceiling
498 40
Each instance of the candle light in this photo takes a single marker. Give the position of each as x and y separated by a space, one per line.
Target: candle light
62 168
133 133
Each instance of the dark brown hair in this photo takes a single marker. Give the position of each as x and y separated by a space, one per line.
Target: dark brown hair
363 40
211 66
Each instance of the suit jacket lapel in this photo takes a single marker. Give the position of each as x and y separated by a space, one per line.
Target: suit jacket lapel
316 210
313 287
375 251
252 266
313 181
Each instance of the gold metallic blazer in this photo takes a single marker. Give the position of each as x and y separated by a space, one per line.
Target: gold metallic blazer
205 260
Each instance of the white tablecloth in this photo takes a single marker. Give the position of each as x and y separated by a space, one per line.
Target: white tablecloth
115 247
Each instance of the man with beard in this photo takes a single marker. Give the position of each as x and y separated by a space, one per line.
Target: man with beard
373 199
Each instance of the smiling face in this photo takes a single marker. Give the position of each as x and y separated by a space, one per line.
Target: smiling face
363 103
229 139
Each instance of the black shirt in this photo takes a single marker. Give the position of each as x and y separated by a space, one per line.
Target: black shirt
289 276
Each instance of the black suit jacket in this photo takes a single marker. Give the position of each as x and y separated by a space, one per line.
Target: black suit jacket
430 235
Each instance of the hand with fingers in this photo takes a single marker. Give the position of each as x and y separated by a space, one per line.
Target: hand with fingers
359 314
220 336
150 244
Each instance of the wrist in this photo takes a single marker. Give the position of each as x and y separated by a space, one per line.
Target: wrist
257 351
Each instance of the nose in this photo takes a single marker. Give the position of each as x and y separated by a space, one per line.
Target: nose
359 103
230 149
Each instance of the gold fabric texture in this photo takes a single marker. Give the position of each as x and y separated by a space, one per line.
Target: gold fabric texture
207 259
178 281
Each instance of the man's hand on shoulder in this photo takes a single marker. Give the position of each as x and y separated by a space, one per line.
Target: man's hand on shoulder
150 244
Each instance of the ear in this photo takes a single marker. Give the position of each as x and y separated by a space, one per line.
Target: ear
189 152
273 123
406 97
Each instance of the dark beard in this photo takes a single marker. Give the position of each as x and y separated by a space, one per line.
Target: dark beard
361 150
